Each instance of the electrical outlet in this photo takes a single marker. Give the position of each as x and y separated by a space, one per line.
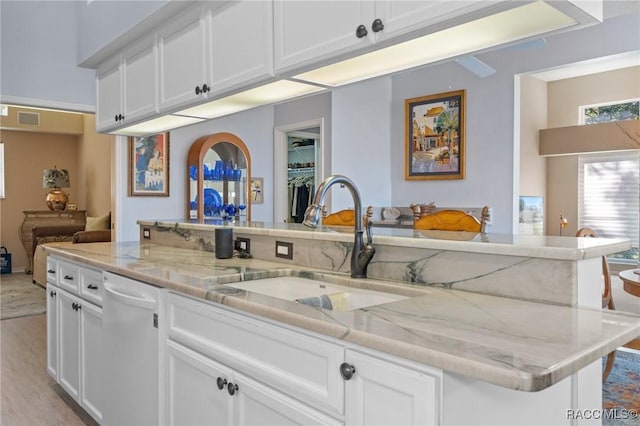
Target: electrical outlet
243 244
146 233
284 250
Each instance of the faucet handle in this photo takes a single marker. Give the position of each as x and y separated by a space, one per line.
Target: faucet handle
368 223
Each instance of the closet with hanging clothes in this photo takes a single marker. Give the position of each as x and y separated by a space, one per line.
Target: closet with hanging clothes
301 193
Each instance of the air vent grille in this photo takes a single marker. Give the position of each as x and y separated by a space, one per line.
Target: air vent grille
28 118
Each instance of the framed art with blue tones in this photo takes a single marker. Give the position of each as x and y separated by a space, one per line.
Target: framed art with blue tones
149 165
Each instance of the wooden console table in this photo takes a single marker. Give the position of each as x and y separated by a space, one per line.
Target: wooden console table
45 217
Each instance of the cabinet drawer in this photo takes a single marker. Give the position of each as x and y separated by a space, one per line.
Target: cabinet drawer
68 276
52 266
91 287
301 366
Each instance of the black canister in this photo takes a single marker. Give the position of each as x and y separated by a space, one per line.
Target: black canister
224 243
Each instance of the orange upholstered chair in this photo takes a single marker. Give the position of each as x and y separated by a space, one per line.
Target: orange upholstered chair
607 297
452 220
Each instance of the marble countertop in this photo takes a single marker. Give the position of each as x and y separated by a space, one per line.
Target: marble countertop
537 246
512 343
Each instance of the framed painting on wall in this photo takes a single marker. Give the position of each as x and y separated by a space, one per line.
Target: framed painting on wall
257 194
149 165
435 136
531 216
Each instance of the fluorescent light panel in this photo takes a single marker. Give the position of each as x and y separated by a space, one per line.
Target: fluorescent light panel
158 125
524 21
263 95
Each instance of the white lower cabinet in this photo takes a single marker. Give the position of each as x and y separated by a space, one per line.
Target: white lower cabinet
383 393
203 391
52 330
74 339
80 351
225 367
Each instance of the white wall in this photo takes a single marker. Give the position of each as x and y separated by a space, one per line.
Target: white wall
38 62
360 142
102 21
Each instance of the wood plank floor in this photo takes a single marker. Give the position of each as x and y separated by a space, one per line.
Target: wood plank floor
29 396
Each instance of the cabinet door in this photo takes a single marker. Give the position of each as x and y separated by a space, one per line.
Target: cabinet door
52 331
256 404
139 68
183 59
91 365
404 16
69 343
249 59
313 32
108 95
193 393
383 393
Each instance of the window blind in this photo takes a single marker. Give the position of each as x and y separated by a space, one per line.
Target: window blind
609 196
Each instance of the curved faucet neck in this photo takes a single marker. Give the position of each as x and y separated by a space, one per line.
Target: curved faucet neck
355 194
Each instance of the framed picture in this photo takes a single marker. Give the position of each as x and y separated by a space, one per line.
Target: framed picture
531 216
149 165
257 194
435 136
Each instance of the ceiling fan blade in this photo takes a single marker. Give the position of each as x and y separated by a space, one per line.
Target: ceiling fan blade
476 66
537 43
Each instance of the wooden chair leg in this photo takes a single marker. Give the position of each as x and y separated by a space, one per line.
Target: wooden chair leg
609 365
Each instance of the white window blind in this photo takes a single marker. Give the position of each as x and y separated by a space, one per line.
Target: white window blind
609 197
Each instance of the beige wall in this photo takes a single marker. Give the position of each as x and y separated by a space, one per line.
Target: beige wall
564 99
533 107
86 155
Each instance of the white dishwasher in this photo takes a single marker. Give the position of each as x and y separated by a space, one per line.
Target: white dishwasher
132 312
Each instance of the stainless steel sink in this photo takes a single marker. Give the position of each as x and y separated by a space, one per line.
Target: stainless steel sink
342 298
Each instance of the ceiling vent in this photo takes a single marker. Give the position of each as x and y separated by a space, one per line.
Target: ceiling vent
28 118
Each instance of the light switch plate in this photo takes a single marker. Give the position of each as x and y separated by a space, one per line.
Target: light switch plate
146 233
284 250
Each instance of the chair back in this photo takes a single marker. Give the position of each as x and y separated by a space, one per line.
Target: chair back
345 217
452 220
607 298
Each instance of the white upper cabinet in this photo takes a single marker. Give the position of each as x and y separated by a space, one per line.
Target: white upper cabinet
305 32
140 85
127 86
314 33
240 44
183 56
108 95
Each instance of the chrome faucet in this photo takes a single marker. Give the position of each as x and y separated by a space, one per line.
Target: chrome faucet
361 254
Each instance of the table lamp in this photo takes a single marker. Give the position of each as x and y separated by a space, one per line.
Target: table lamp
54 179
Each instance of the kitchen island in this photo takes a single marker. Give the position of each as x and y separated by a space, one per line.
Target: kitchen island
488 349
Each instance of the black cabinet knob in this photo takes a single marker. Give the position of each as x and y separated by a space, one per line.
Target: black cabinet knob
232 388
119 117
347 371
52 293
361 31
68 277
92 287
221 383
205 88
51 271
377 25
198 90
74 306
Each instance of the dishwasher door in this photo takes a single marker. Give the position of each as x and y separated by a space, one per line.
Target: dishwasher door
131 351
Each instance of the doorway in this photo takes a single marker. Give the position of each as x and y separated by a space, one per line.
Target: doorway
298 168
